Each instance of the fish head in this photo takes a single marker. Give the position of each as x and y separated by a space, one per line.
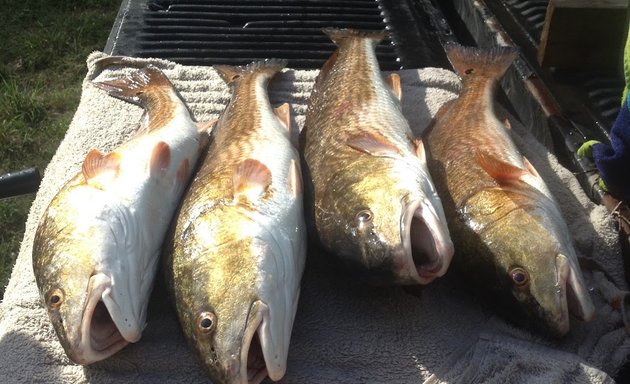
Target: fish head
536 271
232 313
88 301
72 293
384 224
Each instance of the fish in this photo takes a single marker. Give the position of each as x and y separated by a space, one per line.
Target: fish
98 243
235 258
511 240
371 201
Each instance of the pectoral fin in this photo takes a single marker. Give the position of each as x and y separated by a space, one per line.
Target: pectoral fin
96 163
498 169
251 179
373 144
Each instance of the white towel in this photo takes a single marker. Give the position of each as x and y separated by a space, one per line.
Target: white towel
345 331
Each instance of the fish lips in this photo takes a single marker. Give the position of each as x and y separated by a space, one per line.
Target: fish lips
427 245
255 360
573 297
97 337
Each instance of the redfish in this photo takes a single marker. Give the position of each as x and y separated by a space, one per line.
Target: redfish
373 203
237 252
98 243
509 235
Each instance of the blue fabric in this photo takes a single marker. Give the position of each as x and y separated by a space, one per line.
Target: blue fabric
613 161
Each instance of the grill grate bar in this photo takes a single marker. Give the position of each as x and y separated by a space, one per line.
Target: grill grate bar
239 18
206 32
273 9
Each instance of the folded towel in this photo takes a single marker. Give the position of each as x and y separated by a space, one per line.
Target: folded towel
345 331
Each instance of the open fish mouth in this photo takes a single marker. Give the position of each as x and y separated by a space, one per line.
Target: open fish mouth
426 242
256 347
99 335
574 298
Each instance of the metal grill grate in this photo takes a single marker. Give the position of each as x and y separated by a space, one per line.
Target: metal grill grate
602 92
198 32
531 14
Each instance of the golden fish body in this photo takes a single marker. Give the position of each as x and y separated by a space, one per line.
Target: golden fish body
507 228
237 254
97 246
373 203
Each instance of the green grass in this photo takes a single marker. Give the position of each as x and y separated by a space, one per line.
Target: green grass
42 63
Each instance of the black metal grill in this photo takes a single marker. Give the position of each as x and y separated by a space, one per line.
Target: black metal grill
600 92
530 13
238 31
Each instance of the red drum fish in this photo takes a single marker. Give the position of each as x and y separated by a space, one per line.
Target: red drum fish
238 249
373 203
508 231
98 243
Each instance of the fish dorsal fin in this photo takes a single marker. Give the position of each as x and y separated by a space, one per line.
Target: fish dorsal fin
498 169
420 151
251 179
96 163
160 159
283 112
393 82
373 144
295 181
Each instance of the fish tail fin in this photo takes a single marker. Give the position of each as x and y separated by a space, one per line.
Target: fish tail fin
134 88
337 35
267 68
491 63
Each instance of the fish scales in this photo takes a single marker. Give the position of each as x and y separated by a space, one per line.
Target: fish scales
508 231
354 97
238 246
97 245
370 186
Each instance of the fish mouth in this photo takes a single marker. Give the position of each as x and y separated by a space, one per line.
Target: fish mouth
99 335
574 295
426 242
255 360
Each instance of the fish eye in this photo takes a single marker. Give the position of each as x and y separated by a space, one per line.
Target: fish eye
364 216
207 322
519 276
55 298
469 71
